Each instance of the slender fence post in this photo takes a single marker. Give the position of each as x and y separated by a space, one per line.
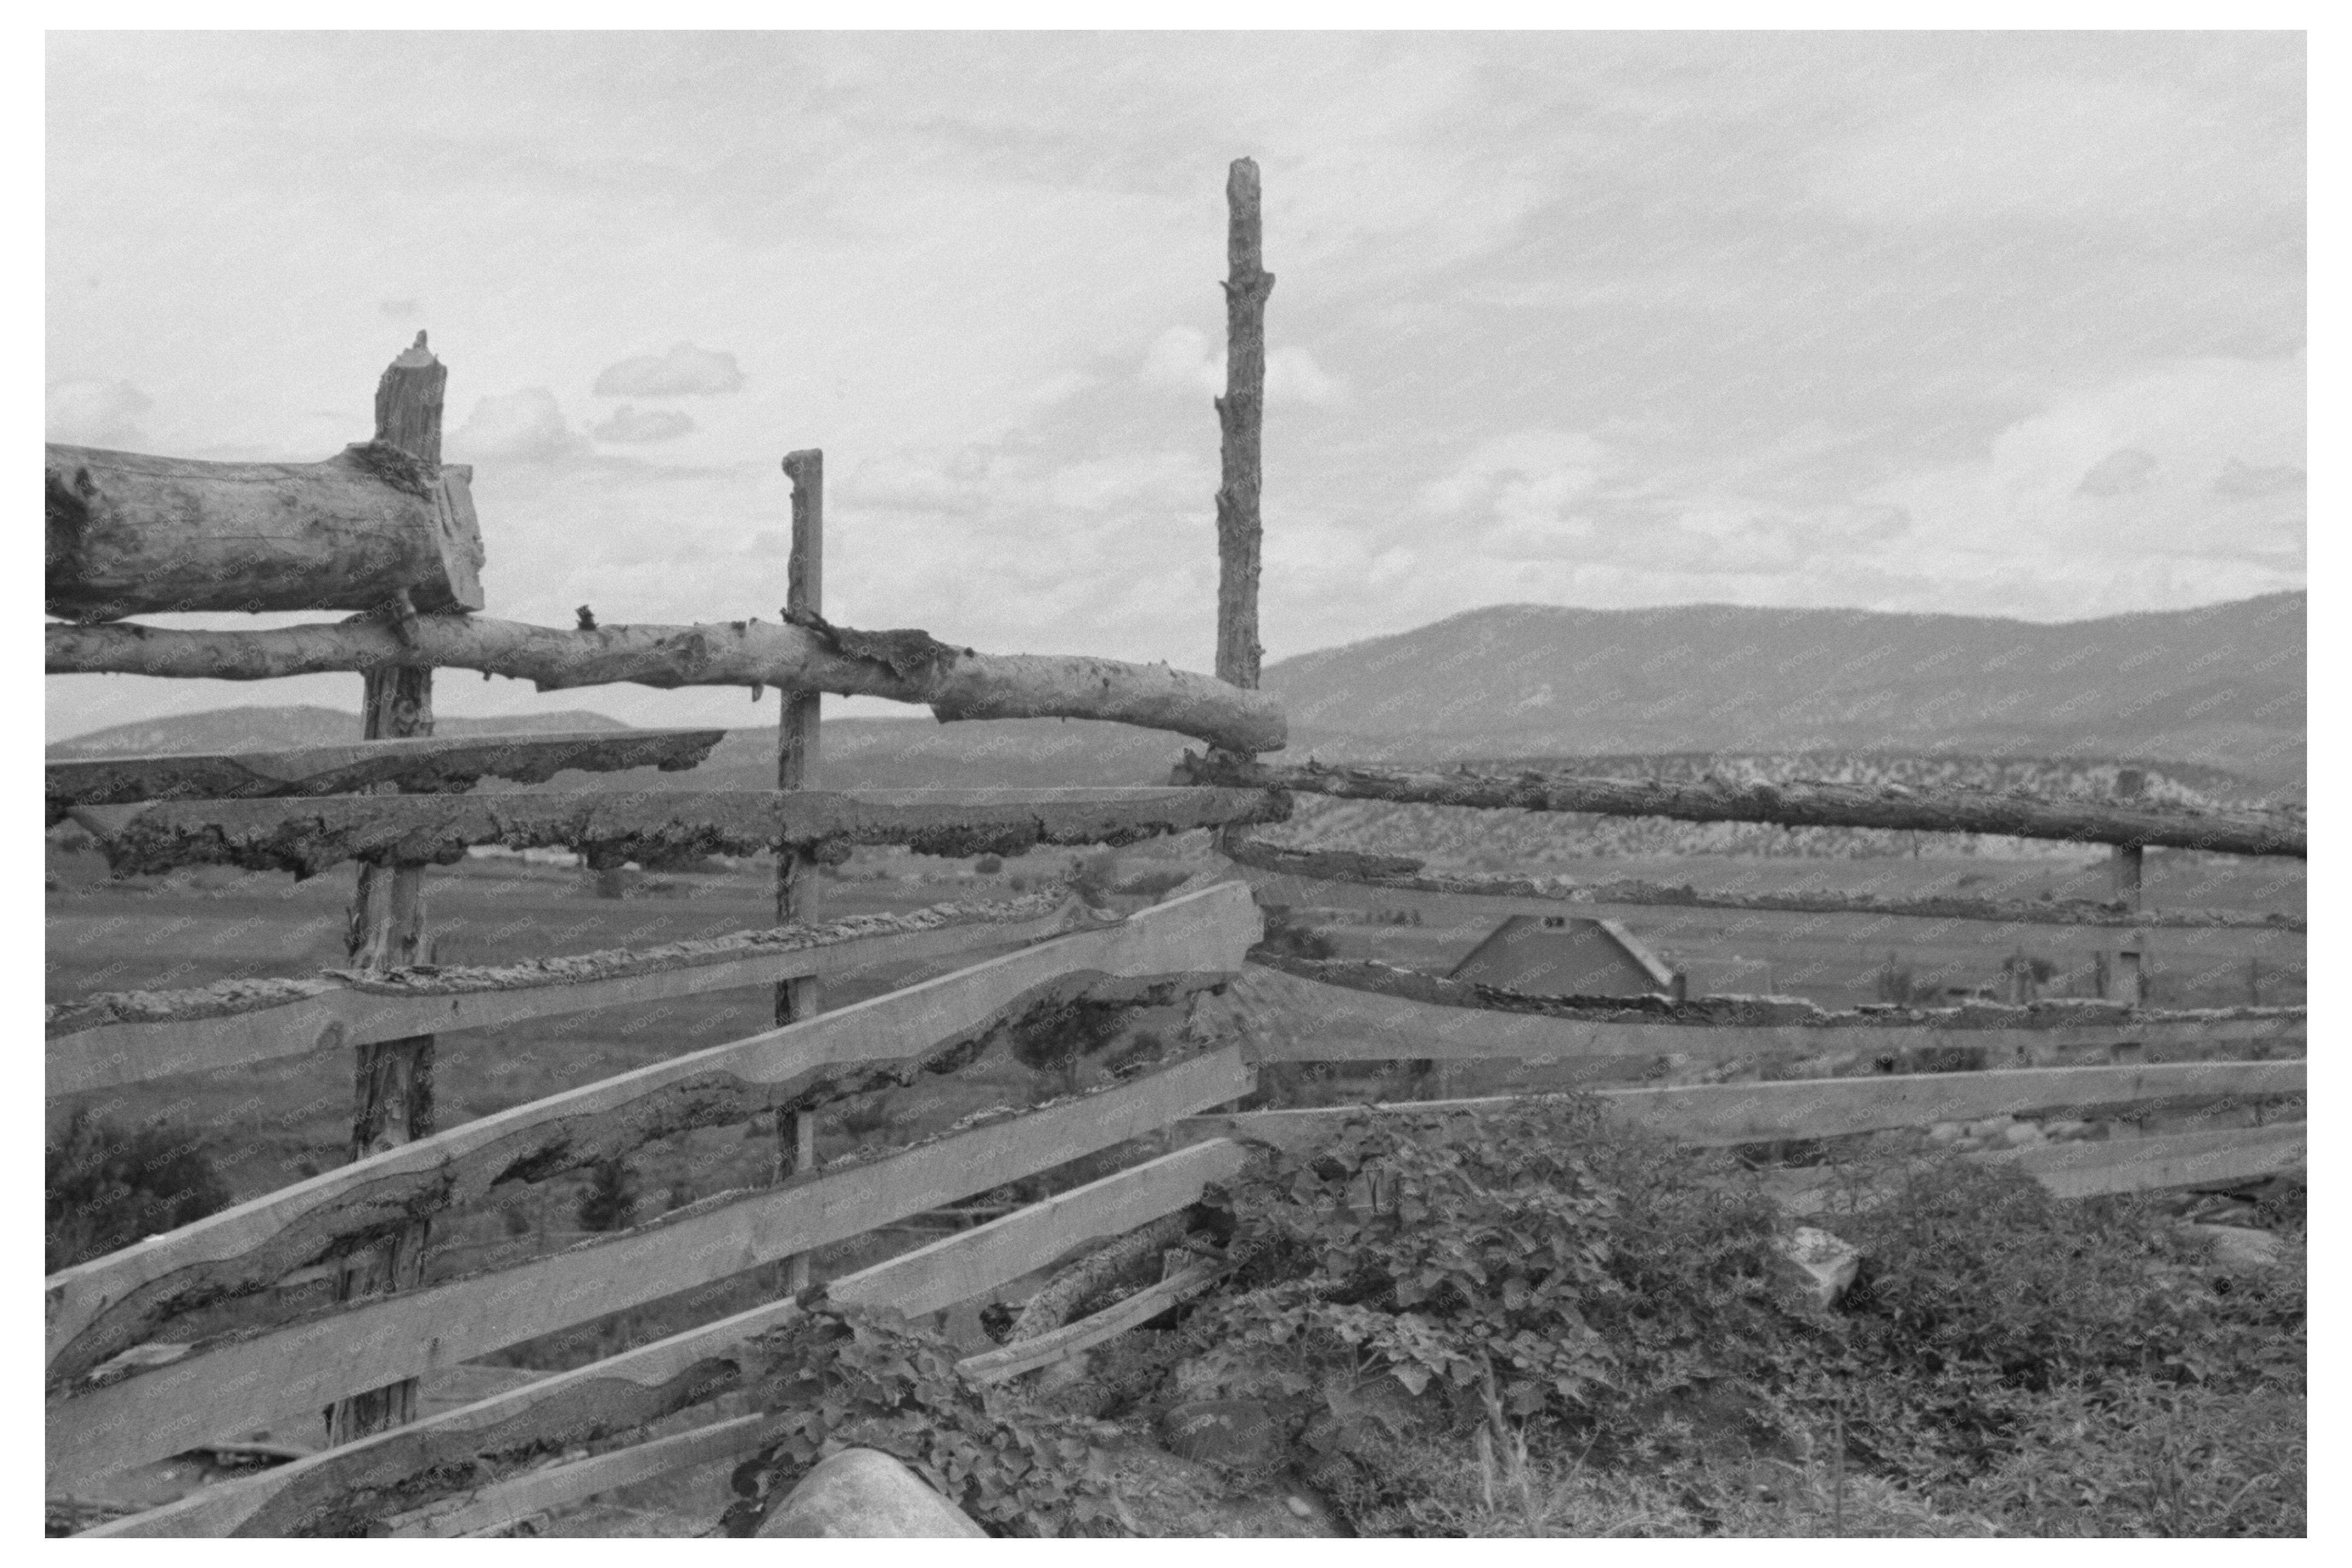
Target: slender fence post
393 1095
1241 417
2125 862
799 891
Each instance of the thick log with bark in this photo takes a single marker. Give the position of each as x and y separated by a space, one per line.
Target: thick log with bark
131 535
1404 875
1802 803
431 765
654 827
98 1307
905 666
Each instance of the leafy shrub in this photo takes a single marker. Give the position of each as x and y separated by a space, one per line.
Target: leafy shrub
842 1377
1550 1268
610 1200
109 1186
987 866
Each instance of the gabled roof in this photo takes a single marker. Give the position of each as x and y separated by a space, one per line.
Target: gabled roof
1565 955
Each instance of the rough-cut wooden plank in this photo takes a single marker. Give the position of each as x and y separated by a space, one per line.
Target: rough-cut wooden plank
1240 416
98 1307
504 1504
250 1382
1061 1344
117 1038
905 666
435 764
1799 803
1290 1019
344 1488
2171 1159
133 535
1724 1115
307 836
1269 867
800 891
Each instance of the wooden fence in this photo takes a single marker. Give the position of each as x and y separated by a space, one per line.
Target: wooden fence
138 1365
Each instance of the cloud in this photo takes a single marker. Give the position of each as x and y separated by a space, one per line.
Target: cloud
627 425
684 371
1183 358
524 426
2241 479
96 413
2121 472
400 309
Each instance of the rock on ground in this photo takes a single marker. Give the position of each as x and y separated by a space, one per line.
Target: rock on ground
865 1492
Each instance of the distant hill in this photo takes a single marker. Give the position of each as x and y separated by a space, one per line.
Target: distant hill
2213 695
2222 685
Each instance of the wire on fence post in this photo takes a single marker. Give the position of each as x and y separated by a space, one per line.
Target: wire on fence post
393 1093
798 888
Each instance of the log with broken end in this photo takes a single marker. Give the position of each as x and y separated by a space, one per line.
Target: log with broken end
652 828
133 535
427 765
905 666
1802 803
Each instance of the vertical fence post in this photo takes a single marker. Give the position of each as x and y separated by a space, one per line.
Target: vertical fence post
393 1097
798 888
1241 418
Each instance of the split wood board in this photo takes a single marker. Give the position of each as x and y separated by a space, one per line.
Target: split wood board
278 1376
398 1471
108 1304
328 1014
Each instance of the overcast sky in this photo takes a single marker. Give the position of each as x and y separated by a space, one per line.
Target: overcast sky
1991 323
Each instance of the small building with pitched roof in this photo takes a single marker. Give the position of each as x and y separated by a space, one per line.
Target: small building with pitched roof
1568 956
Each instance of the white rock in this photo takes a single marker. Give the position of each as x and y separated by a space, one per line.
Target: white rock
2023 1135
2235 1247
1944 1132
1825 1265
863 1493
1990 1128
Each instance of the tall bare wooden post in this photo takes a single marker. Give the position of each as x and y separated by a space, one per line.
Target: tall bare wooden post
799 891
1241 422
393 1099
1241 418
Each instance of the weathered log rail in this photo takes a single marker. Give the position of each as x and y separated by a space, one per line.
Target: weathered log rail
431 765
1306 1010
306 836
1402 873
1802 803
955 683
113 1039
